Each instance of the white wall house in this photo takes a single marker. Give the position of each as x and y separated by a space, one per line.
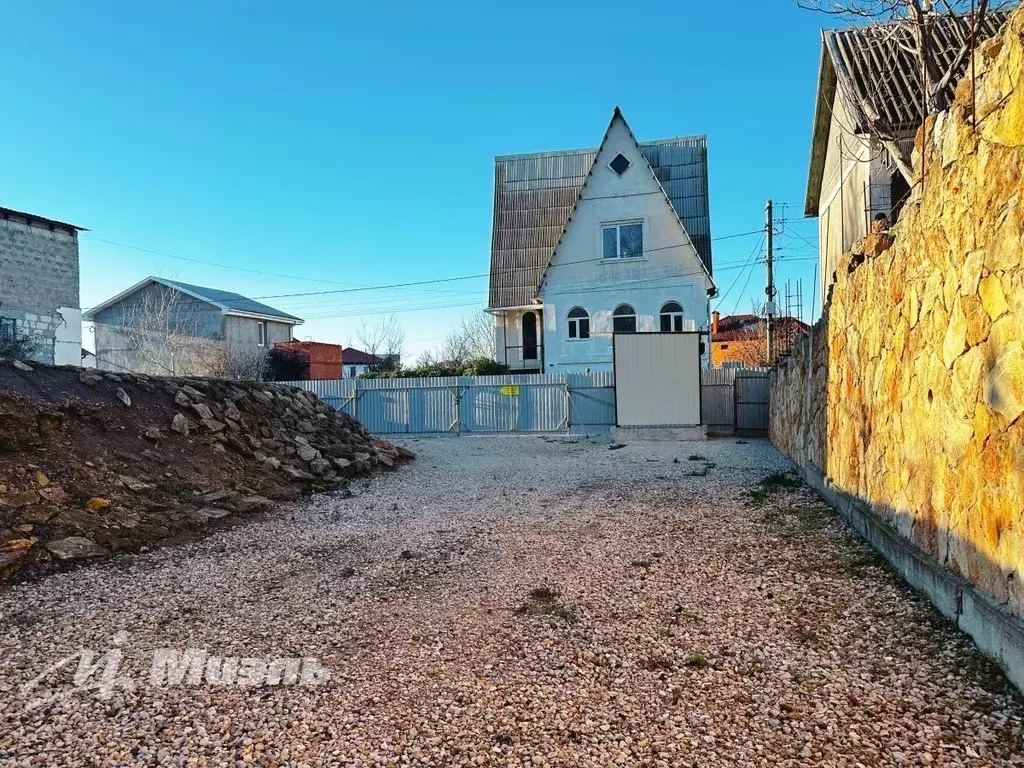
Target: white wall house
866 115
592 242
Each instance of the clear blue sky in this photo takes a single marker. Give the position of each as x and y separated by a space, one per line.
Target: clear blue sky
354 143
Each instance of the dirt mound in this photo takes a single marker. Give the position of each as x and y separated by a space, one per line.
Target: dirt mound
93 462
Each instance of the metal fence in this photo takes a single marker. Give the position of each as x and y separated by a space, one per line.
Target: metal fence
735 400
539 403
732 400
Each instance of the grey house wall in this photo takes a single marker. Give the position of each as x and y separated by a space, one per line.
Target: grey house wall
38 275
217 335
242 333
197 318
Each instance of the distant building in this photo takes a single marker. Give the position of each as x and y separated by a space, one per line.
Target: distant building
165 327
312 360
739 341
39 309
869 77
591 242
356 362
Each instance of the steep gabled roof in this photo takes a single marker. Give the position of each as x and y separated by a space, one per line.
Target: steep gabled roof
879 80
229 303
535 194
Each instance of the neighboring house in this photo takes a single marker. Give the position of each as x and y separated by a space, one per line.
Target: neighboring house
166 327
738 341
595 241
356 362
867 77
39 287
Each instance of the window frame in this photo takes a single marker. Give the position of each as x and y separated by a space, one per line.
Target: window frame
629 164
618 224
579 325
672 316
631 314
261 333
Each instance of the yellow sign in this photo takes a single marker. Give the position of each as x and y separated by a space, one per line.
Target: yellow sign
510 389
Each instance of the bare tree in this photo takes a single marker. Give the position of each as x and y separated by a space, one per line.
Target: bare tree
161 332
472 337
907 28
384 339
239 361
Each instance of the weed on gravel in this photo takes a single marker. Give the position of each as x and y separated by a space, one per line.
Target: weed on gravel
543 601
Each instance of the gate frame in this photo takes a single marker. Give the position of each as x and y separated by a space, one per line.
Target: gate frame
736 402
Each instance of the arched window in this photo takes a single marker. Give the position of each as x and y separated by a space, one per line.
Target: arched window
529 336
672 317
579 323
624 319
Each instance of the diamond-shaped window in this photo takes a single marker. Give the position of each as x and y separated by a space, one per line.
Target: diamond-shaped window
619 164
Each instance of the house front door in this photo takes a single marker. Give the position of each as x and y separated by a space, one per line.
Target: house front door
529 336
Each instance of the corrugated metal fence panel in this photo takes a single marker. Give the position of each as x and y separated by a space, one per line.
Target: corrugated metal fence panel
751 393
541 403
432 406
532 408
717 401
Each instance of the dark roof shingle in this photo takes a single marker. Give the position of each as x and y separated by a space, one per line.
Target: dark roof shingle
232 301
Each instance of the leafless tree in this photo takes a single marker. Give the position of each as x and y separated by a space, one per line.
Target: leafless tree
913 35
384 339
472 338
161 331
238 361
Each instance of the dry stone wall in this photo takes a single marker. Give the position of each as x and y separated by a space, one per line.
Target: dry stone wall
909 394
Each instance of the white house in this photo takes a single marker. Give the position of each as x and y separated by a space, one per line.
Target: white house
591 242
867 111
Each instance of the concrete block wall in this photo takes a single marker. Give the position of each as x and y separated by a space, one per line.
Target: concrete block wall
39 276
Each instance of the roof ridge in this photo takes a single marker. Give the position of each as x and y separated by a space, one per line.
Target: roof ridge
617 114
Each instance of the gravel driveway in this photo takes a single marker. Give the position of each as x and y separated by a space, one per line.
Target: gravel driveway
515 601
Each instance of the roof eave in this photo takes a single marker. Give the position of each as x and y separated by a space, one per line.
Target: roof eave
820 132
290 320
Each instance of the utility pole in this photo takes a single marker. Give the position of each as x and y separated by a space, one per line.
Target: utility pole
769 306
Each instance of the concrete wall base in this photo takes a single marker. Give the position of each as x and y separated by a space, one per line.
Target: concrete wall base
699 432
997 633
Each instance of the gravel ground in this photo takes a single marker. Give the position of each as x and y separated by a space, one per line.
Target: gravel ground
517 601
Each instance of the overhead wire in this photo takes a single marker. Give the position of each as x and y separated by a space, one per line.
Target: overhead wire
418 283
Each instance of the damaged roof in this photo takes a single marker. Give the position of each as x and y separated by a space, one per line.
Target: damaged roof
880 80
534 195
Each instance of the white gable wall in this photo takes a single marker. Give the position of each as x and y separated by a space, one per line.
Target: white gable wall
669 270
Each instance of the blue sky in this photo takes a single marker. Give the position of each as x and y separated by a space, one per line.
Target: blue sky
354 143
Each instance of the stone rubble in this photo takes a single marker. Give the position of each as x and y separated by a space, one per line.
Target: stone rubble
123 491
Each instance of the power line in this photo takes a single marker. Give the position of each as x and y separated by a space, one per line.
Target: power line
751 261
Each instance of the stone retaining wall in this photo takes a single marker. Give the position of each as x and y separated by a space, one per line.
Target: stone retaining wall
909 395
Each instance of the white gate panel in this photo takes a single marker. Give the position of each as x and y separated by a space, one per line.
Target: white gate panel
657 379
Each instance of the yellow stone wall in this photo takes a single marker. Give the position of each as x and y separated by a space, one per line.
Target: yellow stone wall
917 392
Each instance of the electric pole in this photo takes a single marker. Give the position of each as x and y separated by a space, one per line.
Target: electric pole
769 306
